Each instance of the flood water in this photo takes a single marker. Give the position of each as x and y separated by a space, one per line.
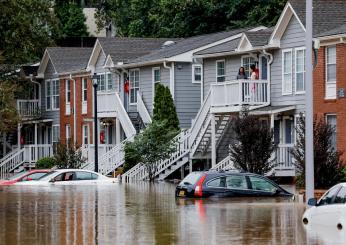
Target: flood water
145 214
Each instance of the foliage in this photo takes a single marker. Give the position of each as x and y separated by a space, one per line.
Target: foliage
45 163
25 29
72 19
328 168
253 146
68 157
182 18
153 145
131 156
164 108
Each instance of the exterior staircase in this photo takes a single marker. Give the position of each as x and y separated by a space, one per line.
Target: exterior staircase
225 164
136 121
165 167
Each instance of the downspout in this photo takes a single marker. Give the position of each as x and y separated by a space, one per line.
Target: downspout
271 58
74 111
171 77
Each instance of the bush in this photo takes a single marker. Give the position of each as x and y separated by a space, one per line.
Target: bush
46 163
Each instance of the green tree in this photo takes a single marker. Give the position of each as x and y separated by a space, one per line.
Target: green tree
328 166
72 19
68 157
9 117
164 108
45 163
253 146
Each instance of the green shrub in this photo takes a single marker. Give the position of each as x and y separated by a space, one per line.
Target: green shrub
45 163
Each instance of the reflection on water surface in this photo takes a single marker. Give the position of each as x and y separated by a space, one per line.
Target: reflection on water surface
143 214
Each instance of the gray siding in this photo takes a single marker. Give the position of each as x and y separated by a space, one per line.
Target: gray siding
49 74
100 63
293 37
187 94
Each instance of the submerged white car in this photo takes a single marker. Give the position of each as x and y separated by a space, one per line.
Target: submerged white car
330 210
71 177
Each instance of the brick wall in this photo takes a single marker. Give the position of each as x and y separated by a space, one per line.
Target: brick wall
336 106
81 119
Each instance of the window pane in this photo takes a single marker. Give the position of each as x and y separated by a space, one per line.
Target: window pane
220 68
328 197
341 196
197 73
287 62
247 62
300 85
331 73
215 183
83 176
288 131
331 120
236 182
110 81
261 184
157 75
331 55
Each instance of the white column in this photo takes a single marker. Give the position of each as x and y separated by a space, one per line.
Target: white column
117 131
213 141
272 121
36 149
18 135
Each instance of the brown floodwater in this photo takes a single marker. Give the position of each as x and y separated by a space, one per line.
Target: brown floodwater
144 214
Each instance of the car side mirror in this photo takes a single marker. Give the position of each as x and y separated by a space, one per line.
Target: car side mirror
52 181
312 202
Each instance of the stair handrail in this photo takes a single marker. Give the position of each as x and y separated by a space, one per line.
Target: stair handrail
11 163
200 118
224 164
142 109
125 121
8 155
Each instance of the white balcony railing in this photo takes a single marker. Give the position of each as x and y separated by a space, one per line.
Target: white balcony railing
28 108
239 92
283 155
32 153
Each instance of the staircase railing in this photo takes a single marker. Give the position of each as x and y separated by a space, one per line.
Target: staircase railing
11 162
142 109
225 164
125 121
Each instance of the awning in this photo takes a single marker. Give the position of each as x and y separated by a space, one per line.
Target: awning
272 110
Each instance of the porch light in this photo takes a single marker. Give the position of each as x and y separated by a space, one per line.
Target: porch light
95 79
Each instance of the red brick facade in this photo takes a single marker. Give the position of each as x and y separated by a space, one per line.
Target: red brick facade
336 106
81 119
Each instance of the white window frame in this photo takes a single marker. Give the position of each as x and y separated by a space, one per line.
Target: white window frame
132 88
67 91
242 63
85 136
332 82
53 96
295 70
194 66
216 71
108 82
288 92
57 127
48 96
153 79
336 126
84 99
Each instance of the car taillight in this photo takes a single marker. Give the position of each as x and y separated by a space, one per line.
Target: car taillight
199 189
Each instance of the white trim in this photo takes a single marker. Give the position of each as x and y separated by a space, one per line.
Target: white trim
244 44
295 70
153 81
282 72
193 73
83 134
217 76
43 64
91 66
67 89
139 79
326 82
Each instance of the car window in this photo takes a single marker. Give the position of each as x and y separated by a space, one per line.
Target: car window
260 184
69 176
192 178
94 176
328 197
236 182
83 176
33 176
218 182
341 196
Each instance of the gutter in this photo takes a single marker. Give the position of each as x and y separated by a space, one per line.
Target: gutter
171 77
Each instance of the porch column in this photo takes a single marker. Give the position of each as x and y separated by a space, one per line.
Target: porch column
19 135
36 149
272 121
117 131
213 141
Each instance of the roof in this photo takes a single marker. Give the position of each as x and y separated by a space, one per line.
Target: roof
335 31
187 44
123 49
259 38
328 14
69 59
221 48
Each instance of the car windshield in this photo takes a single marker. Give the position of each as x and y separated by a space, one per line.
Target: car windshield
17 175
46 175
191 179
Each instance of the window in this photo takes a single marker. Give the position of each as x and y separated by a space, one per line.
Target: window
134 85
289 131
287 72
84 90
156 75
110 82
197 73
68 91
101 86
83 176
55 95
300 70
331 120
34 176
48 96
218 182
236 182
329 196
246 63
331 64
56 132
260 184
341 196
85 134
105 82
220 71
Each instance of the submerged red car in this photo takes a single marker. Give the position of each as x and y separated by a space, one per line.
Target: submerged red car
25 176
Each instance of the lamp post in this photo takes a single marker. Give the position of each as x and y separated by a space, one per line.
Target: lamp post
95 83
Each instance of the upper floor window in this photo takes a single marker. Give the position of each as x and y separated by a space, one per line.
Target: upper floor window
105 82
247 61
331 64
300 70
220 71
84 89
52 95
68 91
156 75
287 71
197 73
134 85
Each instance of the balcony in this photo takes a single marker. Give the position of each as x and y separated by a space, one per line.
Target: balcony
230 96
284 161
28 109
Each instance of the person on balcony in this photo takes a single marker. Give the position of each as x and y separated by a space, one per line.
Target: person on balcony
253 72
241 74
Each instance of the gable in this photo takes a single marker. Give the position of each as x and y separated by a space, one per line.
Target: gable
92 63
294 35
